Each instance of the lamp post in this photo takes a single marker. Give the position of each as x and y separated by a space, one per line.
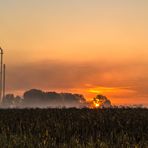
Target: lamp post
1 73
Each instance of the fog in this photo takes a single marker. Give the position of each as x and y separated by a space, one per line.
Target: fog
36 98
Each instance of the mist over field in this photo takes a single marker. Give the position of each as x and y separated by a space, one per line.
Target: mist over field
35 98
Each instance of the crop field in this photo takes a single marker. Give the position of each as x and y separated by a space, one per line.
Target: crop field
74 128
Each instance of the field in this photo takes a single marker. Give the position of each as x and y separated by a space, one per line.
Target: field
74 128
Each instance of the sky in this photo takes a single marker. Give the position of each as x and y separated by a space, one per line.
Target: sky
82 46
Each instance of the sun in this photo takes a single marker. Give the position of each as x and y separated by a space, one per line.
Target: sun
97 105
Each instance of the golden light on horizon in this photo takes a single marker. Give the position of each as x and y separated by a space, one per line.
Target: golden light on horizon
95 91
97 105
102 90
88 51
112 93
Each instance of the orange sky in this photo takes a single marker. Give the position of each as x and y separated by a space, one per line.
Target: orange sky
81 46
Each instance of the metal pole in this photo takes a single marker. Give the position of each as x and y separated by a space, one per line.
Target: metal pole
4 81
1 74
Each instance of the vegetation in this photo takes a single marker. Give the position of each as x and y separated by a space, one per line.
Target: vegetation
66 128
35 98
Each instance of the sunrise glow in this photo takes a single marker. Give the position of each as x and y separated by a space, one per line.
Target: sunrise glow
87 47
97 105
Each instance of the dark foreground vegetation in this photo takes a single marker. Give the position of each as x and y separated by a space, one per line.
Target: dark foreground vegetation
74 128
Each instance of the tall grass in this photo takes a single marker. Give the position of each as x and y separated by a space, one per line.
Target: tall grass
70 128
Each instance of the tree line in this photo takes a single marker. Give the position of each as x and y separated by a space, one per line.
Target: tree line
39 98
35 98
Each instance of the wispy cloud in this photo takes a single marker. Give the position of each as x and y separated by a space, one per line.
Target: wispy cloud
115 80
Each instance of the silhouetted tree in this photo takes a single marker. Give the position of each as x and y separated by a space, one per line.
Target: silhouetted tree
102 101
33 97
8 100
38 98
17 101
52 97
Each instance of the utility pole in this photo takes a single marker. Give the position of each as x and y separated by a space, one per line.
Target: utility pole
4 80
1 74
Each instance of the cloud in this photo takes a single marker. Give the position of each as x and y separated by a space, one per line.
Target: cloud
52 75
130 79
